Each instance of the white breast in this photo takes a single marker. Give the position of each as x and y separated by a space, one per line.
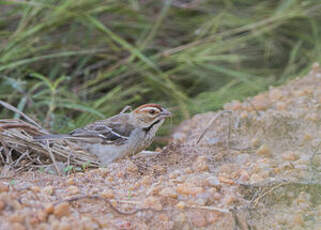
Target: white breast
138 141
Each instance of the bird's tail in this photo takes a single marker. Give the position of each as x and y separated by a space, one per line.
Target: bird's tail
51 137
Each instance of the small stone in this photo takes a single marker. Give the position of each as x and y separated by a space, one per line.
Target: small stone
153 202
49 189
200 164
198 220
181 205
188 189
42 216
62 209
213 181
260 102
35 189
188 170
3 187
255 142
281 106
225 180
49 208
264 150
147 180
70 181
168 192
72 190
307 137
108 194
290 156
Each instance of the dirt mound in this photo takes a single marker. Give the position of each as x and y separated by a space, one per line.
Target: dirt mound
257 165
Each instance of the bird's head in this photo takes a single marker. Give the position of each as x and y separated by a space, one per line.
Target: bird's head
150 115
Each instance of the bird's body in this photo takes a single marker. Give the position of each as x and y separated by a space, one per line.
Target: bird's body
118 136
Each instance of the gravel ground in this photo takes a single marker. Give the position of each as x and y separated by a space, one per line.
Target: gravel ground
255 165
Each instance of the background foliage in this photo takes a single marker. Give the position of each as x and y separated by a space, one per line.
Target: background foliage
69 62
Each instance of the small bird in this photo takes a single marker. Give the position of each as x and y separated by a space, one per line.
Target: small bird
124 134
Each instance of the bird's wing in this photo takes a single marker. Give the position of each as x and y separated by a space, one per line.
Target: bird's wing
113 130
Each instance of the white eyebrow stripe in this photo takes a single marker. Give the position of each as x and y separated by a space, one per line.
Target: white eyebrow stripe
150 108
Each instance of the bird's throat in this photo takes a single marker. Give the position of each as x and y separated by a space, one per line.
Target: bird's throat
147 129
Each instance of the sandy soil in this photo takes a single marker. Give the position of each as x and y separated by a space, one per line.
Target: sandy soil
257 165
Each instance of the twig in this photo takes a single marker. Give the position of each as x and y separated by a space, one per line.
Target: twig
96 197
256 201
12 108
53 158
211 123
210 208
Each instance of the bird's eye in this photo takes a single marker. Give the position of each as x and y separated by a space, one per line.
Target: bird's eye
152 111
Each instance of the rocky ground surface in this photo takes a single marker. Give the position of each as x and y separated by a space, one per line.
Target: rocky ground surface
255 165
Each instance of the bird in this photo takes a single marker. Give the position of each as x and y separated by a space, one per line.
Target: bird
124 134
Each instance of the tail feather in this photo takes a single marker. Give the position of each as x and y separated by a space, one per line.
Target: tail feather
51 137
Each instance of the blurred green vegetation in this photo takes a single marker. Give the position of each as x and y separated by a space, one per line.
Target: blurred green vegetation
69 62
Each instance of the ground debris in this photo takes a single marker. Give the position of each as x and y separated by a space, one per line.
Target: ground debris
255 167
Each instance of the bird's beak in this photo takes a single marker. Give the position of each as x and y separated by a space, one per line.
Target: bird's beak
165 113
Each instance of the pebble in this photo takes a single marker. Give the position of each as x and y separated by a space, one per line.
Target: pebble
108 194
49 190
260 102
70 181
290 156
62 209
35 189
188 189
72 190
168 192
264 150
200 164
226 180
213 181
153 202
198 220
3 187
181 205
49 208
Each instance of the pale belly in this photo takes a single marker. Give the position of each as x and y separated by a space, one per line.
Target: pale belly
107 153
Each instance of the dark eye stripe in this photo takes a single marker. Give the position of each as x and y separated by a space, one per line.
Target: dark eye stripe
152 111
